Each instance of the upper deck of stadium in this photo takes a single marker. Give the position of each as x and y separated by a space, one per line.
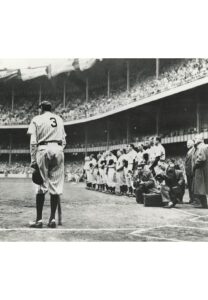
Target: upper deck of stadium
108 103
96 90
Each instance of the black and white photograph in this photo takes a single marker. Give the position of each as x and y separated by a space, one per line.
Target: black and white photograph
104 149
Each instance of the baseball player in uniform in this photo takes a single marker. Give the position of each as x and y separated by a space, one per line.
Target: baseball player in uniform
87 171
139 157
47 142
101 166
93 171
121 180
130 157
111 172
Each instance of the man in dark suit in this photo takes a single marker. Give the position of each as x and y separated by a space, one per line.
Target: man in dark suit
188 168
200 171
144 182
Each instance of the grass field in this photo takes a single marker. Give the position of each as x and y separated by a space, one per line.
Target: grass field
93 216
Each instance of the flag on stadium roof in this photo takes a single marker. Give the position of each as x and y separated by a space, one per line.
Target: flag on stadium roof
86 63
63 67
31 73
8 74
52 69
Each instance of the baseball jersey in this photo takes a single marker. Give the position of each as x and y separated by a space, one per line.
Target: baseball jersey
47 127
152 153
111 157
120 162
160 151
139 157
131 156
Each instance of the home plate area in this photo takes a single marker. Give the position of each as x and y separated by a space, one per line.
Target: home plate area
96 216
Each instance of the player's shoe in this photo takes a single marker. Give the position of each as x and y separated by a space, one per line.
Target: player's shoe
169 205
52 224
36 224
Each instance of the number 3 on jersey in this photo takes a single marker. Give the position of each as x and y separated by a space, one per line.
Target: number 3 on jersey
53 123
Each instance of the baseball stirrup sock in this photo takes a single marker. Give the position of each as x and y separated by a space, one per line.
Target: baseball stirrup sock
54 203
40 198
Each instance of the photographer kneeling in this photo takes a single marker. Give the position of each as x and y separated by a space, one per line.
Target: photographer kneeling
173 186
144 182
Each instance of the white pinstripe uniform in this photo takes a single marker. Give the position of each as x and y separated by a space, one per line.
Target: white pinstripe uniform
49 156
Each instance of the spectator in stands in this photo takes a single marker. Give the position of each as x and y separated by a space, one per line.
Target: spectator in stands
189 169
170 77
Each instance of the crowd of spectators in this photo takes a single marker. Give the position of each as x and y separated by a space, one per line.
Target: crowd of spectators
171 76
20 167
73 170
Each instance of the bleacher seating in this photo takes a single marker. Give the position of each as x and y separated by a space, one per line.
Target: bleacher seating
76 108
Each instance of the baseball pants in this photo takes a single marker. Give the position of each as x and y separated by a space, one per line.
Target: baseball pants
50 159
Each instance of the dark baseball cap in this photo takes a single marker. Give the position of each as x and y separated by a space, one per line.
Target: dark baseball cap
45 105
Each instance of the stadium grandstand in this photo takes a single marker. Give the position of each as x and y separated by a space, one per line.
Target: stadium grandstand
105 104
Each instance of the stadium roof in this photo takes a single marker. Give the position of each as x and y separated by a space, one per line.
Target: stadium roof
27 69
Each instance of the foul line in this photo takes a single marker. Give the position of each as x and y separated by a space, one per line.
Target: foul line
157 238
67 229
196 219
185 212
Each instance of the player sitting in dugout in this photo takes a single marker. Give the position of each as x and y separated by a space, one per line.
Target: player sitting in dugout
144 182
172 185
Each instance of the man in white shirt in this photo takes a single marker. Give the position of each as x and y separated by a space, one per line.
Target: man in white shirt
159 149
159 154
